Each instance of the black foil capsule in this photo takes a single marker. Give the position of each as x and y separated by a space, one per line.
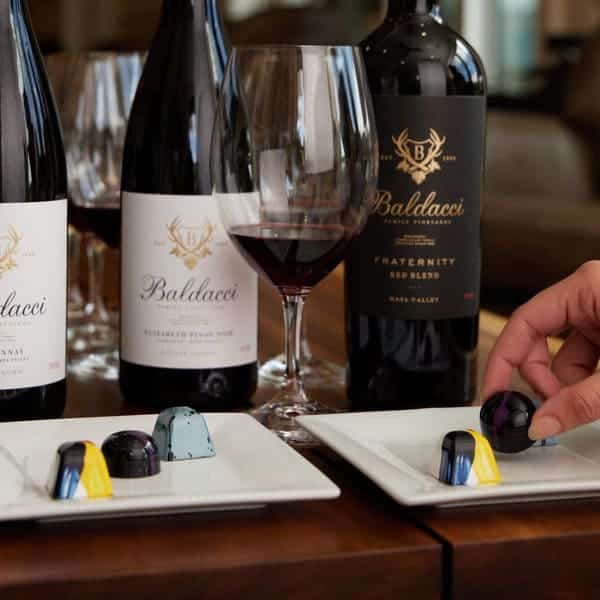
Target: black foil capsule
505 421
131 455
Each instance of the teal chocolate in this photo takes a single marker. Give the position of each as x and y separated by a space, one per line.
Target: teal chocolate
182 434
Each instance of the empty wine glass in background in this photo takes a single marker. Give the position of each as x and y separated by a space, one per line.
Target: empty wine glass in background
99 91
294 167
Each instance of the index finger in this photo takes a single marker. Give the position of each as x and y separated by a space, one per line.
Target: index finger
549 313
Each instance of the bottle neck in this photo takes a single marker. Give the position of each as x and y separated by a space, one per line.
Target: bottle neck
18 7
15 21
400 8
178 8
199 21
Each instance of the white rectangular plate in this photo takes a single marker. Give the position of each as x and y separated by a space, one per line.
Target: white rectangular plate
396 449
253 467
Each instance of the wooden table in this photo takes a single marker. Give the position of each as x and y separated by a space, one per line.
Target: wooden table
362 546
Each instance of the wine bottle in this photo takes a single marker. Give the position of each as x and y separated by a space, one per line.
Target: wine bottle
189 302
33 228
413 276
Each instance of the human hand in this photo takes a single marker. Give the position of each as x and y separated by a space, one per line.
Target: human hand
568 383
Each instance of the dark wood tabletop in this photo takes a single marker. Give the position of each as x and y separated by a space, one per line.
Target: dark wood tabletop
543 550
362 546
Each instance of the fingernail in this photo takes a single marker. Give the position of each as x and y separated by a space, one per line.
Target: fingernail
543 428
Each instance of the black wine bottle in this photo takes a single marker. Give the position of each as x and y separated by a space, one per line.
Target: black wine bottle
188 300
413 277
33 228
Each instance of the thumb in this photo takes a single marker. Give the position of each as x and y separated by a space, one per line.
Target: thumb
572 407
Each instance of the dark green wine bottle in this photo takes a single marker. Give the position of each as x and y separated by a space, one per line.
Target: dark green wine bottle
413 277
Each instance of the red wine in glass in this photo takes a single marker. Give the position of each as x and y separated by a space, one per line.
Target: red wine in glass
102 221
294 258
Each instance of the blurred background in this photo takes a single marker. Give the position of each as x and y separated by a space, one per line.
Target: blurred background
542 199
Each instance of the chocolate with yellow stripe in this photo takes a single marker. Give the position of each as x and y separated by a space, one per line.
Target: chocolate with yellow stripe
467 459
80 472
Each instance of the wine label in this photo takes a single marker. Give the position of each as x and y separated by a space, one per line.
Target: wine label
188 299
33 293
419 257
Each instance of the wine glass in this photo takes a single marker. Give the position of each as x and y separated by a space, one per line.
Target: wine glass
294 166
101 88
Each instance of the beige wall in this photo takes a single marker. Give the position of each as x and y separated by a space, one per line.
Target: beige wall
92 24
130 23
566 17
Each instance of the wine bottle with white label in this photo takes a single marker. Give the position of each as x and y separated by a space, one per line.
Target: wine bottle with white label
33 228
189 302
413 277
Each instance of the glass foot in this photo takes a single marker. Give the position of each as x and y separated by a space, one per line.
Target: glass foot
315 373
102 365
280 415
273 371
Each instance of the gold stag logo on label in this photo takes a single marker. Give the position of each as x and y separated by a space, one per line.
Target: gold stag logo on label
419 157
191 242
9 244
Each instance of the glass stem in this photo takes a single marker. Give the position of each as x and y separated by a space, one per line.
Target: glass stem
306 355
90 304
74 253
293 308
95 256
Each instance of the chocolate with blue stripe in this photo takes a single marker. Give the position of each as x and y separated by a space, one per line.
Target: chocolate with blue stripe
458 455
71 457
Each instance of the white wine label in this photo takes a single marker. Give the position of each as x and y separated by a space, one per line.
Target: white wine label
33 293
188 299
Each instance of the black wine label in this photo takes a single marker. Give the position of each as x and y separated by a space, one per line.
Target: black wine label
419 257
